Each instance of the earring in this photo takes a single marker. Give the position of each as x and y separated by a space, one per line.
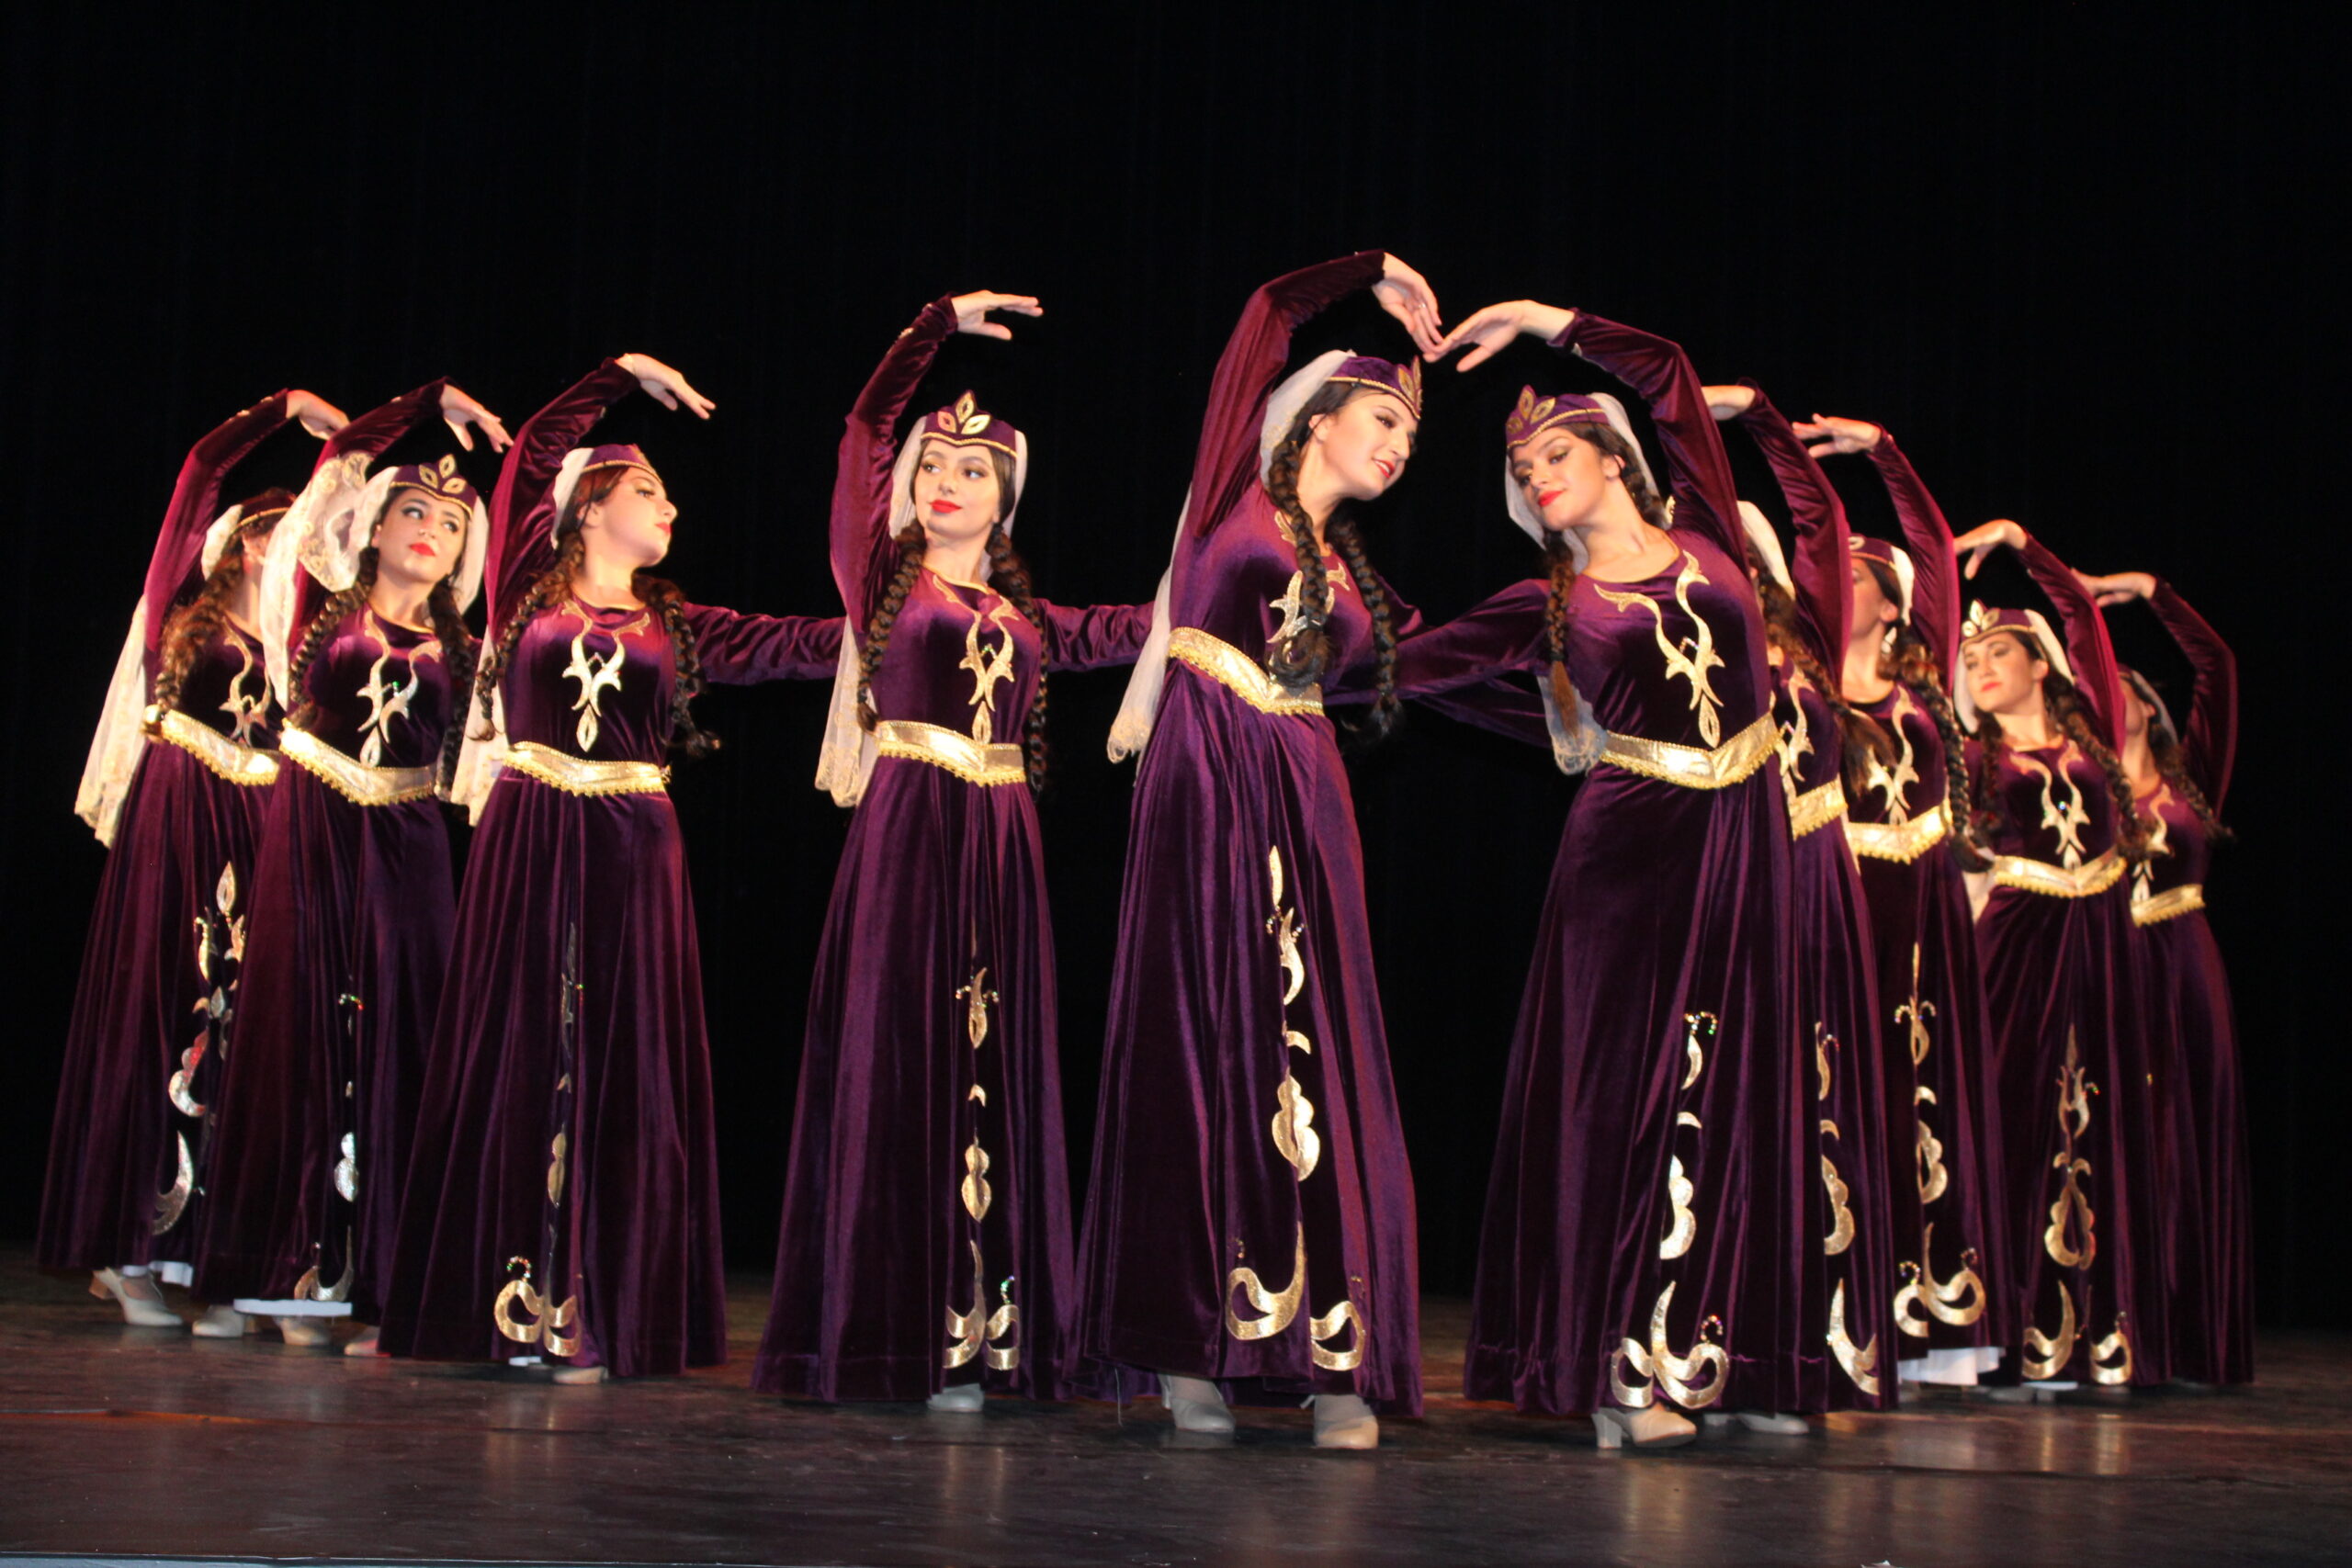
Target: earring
1886 640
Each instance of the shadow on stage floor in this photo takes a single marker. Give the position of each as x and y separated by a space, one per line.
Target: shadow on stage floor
123 1442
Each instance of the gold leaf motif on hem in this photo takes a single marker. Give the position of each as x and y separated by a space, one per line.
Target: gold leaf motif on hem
1929 1150
1684 1227
558 1164
1915 1013
1276 1308
1959 1300
347 1171
1327 1327
1841 1227
1674 1374
2047 1354
537 1325
1862 1365
975 998
2106 1370
2070 1213
1294 1128
177 1089
172 1202
974 1188
1823 1043
1693 1023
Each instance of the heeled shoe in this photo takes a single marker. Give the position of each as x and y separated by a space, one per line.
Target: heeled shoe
1345 1421
958 1399
1194 1403
223 1322
579 1376
1653 1428
365 1344
143 1303
304 1333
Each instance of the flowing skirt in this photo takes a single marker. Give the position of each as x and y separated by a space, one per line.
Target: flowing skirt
132 1136
1650 1222
926 1233
1943 1122
1250 1216
563 1198
2088 1254
351 913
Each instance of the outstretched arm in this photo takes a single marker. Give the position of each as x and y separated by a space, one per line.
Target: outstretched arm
737 650
1822 571
196 497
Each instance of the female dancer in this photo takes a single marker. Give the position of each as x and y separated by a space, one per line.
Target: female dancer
2086 1264
352 902
177 793
1827 748
1251 1210
1909 824
2179 783
563 1196
929 1184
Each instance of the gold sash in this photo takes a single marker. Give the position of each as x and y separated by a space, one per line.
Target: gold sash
1695 767
1900 841
578 775
1239 674
2039 876
355 782
2158 908
1816 809
973 762
238 765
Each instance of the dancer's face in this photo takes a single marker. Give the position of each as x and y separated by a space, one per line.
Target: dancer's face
1564 478
634 519
419 538
255 548
2137 714
958 495
1364 443
1873 611
2003 676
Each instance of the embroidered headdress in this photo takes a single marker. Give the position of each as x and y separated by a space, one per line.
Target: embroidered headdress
1530 417
1894 560
583 460
1402 381
2030 627
964 423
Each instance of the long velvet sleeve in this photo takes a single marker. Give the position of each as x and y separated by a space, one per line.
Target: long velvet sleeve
377 429
861 544
522 509
737 650
1935 575
2088 646
1094 637
1660 374
196 499
2211 740
1822 572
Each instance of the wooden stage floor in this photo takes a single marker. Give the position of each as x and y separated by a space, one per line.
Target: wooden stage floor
121 1443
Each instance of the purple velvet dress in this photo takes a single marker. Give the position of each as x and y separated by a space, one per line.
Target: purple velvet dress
1943 1143
130 1146
926 1232
563 1195
1251 1215
1651 1222
2077 1058
1836 990
2211 1212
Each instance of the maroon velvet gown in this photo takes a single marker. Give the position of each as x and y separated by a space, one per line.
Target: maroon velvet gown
563 1197
129 1144
2078 1057
1943 1143
348 936
1837 988
2210 1209
1251 1215
926 1231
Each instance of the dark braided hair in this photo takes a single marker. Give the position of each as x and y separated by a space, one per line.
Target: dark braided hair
1861 739
333 613
913 543
2172 766
1008 575
2070 716
1301 659
1909 662
1562 563
194 626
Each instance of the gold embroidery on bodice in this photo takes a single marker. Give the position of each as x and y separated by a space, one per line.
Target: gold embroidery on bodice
2069 820
1695 656
988 665
596 673
1891 783
244 712
2144 875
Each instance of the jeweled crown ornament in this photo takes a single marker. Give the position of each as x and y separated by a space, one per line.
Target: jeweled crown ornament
1401 381
1534 416
965 422
441 479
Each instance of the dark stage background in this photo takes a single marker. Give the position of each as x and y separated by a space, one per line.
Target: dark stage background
2075 266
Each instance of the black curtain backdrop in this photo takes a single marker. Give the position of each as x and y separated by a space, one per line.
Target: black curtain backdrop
2076 265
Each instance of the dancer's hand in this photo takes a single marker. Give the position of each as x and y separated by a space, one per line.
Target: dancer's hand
2118 586
1981 540
459 410
320 417
1830 434
665 385
1494 327
1406 295
1728 403
972 309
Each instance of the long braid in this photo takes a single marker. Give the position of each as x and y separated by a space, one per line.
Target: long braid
333 613
195 625
541 596
912 546
1299 660
1386 710
1908 659
1008 575
663 598
2073 716
1861 739
1561 561
2172 764
457 658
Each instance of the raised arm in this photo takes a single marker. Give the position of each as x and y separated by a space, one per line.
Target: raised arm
2087 647
1935 575
373 432
861 523
1823 574
522 509
196 499
1660 374
737 650
2210 742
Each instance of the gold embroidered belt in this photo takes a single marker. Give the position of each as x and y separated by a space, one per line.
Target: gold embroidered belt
1239 674
973 762
1816 809
1695 767
355 782
2158 908
238 765
578 775
1901 841
2057 881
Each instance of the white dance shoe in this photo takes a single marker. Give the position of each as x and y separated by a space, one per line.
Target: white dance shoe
1194 1405
1343 1421
578 1377
365 1344
305 1333
1770 1423
962 1399
1653 1428
222 1322
141 1302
